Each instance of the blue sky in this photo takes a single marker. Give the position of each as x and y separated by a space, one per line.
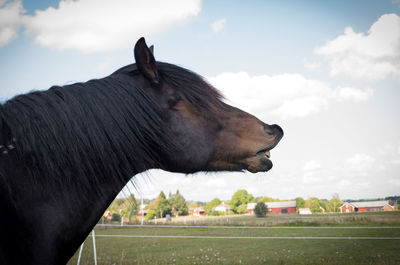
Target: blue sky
334 92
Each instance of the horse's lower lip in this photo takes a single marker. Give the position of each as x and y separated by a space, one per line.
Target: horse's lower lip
267 163
264 163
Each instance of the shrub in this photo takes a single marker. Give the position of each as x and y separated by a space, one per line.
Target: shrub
242 209
215 213
115 217
261 209
150 214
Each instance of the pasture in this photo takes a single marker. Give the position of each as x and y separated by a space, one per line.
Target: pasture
371 238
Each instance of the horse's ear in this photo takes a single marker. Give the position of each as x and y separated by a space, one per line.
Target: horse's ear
152 49
145 61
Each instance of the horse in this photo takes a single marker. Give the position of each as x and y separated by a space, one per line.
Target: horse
65 153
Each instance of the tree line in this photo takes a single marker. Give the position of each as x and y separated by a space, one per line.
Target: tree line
177 205
128 208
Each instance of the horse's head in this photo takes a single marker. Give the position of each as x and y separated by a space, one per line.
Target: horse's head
208 135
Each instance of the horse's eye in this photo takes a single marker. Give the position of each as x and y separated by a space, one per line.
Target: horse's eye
173 100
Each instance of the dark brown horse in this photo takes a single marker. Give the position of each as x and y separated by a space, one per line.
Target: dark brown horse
65 153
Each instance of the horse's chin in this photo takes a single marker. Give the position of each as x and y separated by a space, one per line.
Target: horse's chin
259 163
254 164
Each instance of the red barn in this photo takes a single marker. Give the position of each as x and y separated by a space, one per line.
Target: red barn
197 211
275 207
250 207
370 206
281 207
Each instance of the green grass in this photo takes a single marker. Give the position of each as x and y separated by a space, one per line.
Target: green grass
255 250
349 219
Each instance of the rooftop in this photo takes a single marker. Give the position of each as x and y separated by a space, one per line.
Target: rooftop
368 204
284 204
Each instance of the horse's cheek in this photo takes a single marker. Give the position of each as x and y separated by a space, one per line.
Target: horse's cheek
192 142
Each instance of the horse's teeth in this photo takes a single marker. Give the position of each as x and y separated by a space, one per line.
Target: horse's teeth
267 154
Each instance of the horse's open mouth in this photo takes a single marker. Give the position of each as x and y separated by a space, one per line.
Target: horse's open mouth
264 152
260 162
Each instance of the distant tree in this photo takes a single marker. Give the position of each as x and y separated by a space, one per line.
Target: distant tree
239 198
178 204
334 205
159 207
300 203
119 201
323 204
193 205
151 213
145 201
163 205
129 208
202 204
395 200
116 204
313 204
242 209
208 208
266 199
261 209
115 217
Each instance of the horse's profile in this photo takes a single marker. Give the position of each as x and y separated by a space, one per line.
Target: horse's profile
65 153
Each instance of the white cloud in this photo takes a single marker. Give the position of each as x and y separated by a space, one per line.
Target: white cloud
312 66
390 153
344 183
102 25
395 182
311 166
359 159
10 20
216 182
311 178
218 25
313 173
351 93
284 95
375 55
360 163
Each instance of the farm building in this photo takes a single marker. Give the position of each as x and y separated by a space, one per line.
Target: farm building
371 206
275 207
305 211
222 208
197 211
250 207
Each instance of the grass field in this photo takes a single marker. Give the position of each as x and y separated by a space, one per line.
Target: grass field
359 239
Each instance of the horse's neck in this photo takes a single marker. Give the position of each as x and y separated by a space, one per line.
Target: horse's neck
83 216
47 226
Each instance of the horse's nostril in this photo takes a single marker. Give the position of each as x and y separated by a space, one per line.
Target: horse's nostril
277 129
273 129
268 129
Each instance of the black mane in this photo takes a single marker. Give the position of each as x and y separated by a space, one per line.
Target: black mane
84 133
190 85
